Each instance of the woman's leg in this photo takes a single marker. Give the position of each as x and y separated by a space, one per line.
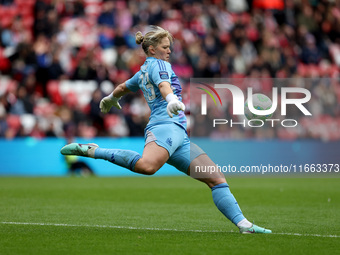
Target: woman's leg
211 179
154 156
222 196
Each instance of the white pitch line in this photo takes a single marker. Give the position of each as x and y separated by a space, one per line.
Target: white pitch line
116 227
156 229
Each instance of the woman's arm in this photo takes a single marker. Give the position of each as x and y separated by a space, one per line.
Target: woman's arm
113 99
120 90
165 89
174 105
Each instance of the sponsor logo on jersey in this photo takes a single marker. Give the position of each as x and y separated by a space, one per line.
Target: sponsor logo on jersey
164 75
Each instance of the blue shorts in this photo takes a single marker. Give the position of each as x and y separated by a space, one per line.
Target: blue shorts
175 140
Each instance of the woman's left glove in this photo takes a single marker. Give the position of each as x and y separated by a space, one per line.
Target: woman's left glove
174 105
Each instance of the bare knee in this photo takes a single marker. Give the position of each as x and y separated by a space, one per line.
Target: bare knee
154 157
144 167
210 178
212 182
149 170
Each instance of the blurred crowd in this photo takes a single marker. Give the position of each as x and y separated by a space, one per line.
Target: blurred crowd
58 58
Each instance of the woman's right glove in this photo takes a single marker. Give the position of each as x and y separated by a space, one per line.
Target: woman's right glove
107 102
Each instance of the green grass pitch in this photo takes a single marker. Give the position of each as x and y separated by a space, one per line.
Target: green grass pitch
166 215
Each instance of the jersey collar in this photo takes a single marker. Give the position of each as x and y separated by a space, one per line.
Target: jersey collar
151 58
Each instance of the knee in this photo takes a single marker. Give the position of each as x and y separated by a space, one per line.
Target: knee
150 170
146 168
212 182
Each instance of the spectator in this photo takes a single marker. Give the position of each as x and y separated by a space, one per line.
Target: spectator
310 53
107 16
85 70
55 71
95 114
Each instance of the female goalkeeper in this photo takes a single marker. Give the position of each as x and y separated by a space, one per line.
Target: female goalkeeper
166 140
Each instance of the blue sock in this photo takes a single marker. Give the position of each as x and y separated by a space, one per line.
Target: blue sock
226 203
124 158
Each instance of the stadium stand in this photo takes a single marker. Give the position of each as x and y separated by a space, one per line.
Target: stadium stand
60 52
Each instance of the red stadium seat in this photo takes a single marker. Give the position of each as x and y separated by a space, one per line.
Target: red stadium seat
87 131
71 99
288 133
53 92
5 64
13 121
93 8
6 21
28 22
25 2
110 120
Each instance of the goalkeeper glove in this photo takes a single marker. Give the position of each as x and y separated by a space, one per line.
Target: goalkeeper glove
107 102
174 105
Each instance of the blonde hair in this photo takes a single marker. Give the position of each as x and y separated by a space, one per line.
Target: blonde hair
152 37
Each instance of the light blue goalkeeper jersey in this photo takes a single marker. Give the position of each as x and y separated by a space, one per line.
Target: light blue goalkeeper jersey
151 74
